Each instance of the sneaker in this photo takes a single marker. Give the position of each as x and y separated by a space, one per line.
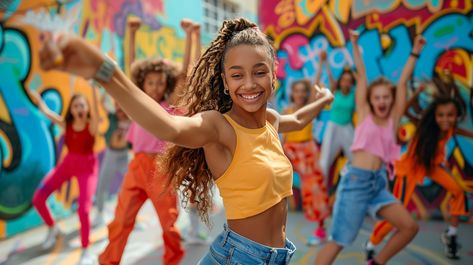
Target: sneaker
317 238
451 245
51 237
314 241
86 258
369 252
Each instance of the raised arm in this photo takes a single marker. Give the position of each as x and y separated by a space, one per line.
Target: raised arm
74 55
133 26
361 93
198 43
94 113
333 82
401 90
54 117
411 102
186 25
323 57
298 120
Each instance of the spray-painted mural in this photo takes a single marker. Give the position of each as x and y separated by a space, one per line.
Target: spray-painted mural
30 145
301 29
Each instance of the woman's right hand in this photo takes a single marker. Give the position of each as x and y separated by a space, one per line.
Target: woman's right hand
70 54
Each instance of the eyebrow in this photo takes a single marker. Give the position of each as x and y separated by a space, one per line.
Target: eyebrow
238 67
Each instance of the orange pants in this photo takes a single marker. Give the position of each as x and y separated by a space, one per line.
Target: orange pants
141 183
404 188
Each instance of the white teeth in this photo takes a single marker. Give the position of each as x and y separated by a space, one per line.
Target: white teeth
250 97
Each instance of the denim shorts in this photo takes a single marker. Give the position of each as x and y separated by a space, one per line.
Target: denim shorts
232 248
359 192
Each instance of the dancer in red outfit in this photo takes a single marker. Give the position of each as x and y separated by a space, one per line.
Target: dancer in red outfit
80 125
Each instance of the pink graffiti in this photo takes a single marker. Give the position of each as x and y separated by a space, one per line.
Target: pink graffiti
280 70
118 10
291 45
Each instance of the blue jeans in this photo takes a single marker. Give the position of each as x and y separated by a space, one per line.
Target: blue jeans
232 248
359 192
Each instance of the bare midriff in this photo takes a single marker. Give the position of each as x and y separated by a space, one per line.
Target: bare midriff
366 160
267 228
118 139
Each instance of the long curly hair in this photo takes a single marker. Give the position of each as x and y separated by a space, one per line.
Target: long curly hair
428 132
187 168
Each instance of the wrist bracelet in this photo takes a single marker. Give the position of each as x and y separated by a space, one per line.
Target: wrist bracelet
413 54
106 70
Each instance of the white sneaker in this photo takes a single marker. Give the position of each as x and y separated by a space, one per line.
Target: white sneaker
51 237
86 258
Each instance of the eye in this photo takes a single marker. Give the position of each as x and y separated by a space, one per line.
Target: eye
236 76
260 73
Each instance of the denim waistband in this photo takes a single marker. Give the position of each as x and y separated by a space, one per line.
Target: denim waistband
360 172
271 254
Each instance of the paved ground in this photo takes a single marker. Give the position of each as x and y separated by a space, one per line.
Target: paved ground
145 243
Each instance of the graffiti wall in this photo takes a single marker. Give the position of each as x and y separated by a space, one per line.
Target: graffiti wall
301 29
30 145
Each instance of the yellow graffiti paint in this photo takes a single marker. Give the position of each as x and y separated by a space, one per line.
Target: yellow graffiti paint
161 43
306 9
3 233
459 157
4 114
6 160
341 9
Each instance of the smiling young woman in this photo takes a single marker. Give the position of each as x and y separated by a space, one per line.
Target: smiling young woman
228 137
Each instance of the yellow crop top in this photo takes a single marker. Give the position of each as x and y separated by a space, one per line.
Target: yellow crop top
259 176
303 135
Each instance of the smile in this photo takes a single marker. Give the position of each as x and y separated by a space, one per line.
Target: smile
251 97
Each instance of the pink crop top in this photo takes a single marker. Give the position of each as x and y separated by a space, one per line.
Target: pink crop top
377 140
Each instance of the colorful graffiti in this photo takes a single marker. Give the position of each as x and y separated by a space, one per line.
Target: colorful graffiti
301 29
30 145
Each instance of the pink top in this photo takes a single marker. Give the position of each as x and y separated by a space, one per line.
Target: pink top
377 140
144 142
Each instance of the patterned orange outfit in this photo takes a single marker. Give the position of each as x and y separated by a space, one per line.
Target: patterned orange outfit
409 174
302 151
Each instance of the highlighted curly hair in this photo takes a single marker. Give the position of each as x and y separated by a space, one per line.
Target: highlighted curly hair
187 168
141 68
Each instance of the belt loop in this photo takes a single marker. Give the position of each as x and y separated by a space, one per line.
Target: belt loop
274 255
225 235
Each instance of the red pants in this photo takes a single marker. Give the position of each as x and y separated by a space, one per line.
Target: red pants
85 168
404 188
140 183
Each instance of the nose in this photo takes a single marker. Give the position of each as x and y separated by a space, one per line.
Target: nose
249 83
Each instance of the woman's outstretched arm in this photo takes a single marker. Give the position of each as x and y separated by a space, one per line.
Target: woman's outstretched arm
74 55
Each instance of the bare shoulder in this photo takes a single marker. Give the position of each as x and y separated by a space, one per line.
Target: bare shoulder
273 117
218 122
